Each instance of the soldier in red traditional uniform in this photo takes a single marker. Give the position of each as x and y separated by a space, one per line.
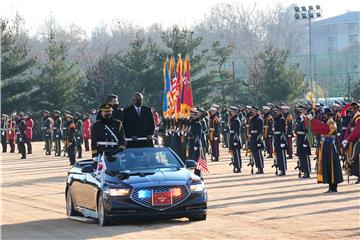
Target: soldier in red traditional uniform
86 131
329 168
352 141
11 133
29 131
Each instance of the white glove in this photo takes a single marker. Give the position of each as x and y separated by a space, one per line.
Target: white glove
345 143
196 148
282 145
304 145
310 116
95 159
216 138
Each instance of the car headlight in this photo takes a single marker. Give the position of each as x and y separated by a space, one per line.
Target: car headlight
117 192
197 187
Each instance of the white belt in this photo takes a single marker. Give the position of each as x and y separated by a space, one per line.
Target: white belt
300 133
232 131
107 143
344 128
253 131
277 132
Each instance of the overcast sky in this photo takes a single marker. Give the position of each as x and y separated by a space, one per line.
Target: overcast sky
89 13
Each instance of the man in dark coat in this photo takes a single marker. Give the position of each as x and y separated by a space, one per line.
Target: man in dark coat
117 114
138 123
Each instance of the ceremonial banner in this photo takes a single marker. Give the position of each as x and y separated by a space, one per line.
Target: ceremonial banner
186 93
167 88
179 79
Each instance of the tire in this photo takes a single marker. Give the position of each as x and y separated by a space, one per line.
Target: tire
103 218
70 210
198 217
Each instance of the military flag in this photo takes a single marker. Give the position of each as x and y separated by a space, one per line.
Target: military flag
186 93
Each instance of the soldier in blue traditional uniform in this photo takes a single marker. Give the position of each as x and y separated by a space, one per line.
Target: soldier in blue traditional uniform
235 139
57 132
78 133
280 141
256 125
268 131
303 150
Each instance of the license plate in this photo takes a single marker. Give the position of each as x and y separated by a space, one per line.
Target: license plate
161 198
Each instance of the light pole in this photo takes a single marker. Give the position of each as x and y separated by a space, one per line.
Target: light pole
309 13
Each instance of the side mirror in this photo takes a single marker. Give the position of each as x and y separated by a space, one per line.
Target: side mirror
87 169
190 164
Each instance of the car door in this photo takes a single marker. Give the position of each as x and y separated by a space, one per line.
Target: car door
89 191
76 186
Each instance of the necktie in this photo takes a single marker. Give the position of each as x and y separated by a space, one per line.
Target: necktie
138 111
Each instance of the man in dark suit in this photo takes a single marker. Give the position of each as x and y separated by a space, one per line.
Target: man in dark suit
117 114
138 123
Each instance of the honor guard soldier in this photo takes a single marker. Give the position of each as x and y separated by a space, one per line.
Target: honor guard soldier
225 126
352 141
214 130
4 124
29 131
57 132
107 134
70 138
65 113
78 133
47 131
280 141
256 125
235 139
204 122
11 133
195 143
288 130
268 131
86 131
21 135
329 169
303 149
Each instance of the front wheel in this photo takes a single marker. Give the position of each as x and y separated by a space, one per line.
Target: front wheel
198 217
103 217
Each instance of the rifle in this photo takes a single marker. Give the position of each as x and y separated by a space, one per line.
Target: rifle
251 163
298 166
276 166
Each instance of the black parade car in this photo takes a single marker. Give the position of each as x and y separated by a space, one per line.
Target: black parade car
137 183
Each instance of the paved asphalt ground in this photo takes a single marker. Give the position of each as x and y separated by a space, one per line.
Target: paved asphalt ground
241 206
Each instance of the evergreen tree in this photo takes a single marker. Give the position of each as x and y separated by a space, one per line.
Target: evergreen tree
59 79
16 79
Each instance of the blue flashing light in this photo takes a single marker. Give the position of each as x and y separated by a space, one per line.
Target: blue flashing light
142 194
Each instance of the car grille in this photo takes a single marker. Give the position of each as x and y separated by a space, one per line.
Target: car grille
147 202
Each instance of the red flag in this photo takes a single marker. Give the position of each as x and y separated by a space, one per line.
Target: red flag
186 93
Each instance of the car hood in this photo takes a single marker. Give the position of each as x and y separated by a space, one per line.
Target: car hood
159 177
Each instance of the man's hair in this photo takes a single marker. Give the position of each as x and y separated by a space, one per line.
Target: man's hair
110 97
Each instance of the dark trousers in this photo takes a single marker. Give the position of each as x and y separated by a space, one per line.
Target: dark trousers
22 149
79 149
258 157
71 151
3 142
237 158
47 144
281 159
215 148
12 145
290 146
305 164
86 143
225 136
269 146
29 146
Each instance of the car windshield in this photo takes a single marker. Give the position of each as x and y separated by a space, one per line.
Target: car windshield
143 159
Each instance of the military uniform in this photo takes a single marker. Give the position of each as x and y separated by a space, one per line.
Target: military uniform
235 141
289 133
4 132
303 149
214 138
195 143
268 133
256 125
280 143
47 131
78 133
65 131
329 168
225 128
71 139
107 135
57 133
21 137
